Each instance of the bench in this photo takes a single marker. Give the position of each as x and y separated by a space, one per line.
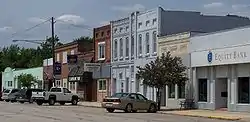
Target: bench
187 104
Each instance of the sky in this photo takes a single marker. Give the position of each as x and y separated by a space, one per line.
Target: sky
75 18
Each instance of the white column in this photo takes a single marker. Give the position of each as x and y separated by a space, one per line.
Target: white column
212 91
176 91
195 85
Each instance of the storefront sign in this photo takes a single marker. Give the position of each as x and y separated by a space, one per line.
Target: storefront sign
74 78
233 55
58 67
230 55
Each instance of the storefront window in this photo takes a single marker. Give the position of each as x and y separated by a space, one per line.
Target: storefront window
243 90
171 91
181 91
102 85
202 90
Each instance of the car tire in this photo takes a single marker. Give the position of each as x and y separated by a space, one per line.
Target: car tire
152 108
21 102
39 102
62 103
74 101
7 100
110 110
12 101
31 101
128 108
51 101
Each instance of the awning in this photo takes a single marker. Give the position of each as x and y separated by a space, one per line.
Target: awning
77 74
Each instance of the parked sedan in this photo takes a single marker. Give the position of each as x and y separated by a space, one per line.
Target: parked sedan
7 92
129 102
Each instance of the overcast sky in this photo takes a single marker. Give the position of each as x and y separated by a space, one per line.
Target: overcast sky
18 15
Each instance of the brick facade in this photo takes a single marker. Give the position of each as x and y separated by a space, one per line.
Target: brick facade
102 36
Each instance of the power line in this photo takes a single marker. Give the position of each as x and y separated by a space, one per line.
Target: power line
28 29
78 26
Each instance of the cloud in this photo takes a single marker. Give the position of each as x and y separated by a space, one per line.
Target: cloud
238 7
36 20
104 23
5 29
136 7
213 5
71 19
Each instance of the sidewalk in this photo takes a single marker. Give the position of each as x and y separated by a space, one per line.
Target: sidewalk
224 115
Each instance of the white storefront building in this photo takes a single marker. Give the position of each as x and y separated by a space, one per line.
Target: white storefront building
221 69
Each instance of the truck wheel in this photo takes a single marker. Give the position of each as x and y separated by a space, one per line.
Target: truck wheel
62 103
39 102
74 101
7 100
31 101
51 101
21 102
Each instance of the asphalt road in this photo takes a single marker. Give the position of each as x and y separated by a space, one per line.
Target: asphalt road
15 112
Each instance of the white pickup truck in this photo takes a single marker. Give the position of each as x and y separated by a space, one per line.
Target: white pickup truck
56 94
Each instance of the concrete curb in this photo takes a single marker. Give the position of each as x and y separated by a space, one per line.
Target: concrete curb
90 106
210 117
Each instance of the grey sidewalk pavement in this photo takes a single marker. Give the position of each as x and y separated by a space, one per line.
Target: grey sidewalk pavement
224 115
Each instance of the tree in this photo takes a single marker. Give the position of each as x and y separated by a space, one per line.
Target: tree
165 70
26 80
46 47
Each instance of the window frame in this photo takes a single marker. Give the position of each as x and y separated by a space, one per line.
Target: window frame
154 41
65 54
170 91
115 48
202 94
147 43
127 47
101 47
181 89
140 44
121 48
243 89
132 46
102 85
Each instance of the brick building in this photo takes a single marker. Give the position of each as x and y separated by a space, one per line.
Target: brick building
47 73
102 56
78 48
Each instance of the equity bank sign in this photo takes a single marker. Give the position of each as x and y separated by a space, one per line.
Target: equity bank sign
226 56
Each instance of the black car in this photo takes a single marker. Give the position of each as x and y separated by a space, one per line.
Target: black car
13 96
26 95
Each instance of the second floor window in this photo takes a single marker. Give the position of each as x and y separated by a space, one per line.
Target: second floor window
132 45
121 47
154 42
101 50
65 57
115 48
147 42
127 47
140 44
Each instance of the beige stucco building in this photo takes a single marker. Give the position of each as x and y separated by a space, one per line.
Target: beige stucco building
177 44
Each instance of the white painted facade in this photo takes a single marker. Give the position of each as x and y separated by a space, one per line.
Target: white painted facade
177 45
147 31
120 59
221 62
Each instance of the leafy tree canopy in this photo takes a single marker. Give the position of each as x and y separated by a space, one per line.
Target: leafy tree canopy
26 80
163 71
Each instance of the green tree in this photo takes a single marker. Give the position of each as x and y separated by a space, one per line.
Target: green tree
46 47
165 70
26 80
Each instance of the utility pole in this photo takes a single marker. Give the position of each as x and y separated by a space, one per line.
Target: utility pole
53 47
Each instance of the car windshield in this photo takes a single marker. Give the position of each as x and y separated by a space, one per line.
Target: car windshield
7 91
23 91
14 90
119 95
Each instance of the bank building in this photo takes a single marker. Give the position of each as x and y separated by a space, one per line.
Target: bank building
220 64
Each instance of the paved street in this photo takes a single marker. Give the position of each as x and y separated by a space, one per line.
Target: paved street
15 112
